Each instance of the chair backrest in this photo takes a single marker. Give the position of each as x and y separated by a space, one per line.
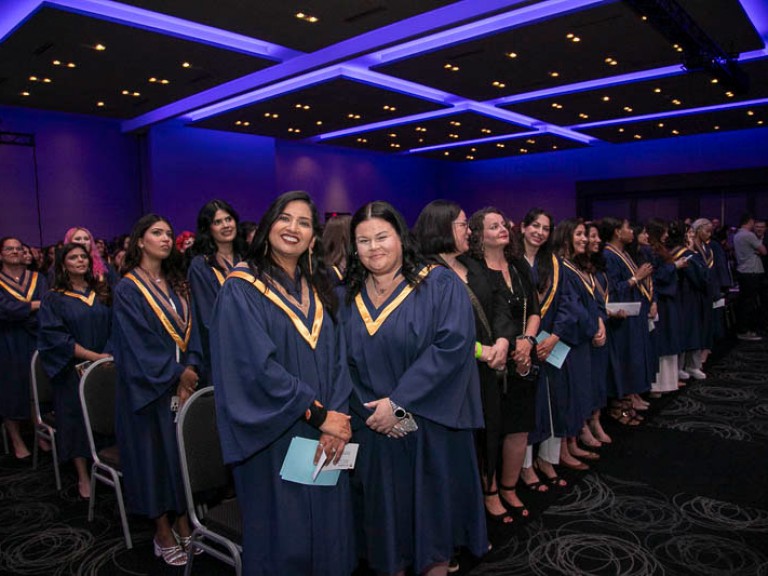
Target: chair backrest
202 464
97 396
40 384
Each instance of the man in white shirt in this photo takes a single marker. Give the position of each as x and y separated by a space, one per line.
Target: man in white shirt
748 249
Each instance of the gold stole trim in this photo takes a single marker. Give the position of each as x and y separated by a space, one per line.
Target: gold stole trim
604 292
587 279
708 259
317 323
553 288
373 325
338 272
645 286
163 317
17 290
87 300
219 276
679 252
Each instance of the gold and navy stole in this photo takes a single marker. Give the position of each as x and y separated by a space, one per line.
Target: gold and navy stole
23 290
707 254
288 304
678 252
371 325
604 292
88 299
587 279
216 272
646 285
178 324
548 295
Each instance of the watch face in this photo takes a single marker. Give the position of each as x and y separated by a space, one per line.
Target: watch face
400 413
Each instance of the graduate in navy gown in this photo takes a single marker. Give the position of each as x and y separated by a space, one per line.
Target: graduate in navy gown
218 247
75 322
579 325
544 269
629 344
600 354
157 357
411 343
279 372
102 271
20 293
665 281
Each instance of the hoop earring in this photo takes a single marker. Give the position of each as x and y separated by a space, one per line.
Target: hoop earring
310 261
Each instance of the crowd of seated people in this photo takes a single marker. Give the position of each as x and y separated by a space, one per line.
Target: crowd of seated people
468 359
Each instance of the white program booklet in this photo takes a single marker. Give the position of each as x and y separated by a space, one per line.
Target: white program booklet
630 308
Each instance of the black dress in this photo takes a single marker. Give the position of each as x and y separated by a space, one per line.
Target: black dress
518 396
491 296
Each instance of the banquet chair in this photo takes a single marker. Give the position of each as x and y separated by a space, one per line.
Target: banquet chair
216 522
44 422
97 397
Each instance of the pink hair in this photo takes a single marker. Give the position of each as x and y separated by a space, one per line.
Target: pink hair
99 268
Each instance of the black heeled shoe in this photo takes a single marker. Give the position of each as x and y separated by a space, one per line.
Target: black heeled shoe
554 481
520 512
503 518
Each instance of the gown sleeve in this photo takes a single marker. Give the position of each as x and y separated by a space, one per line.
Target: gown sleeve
442 380
54 339
257 398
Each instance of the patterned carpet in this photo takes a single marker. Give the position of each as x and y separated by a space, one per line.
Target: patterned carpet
684 494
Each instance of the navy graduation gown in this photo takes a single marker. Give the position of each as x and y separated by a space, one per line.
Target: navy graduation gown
665 288
601 355
575 322
148 375
630 343
66 319
695 303
420 495
270 361
18 340
205 281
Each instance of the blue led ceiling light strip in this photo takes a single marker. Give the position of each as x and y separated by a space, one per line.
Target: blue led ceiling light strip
156 22
399 31
670 114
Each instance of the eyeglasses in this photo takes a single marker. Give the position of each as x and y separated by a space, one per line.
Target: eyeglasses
462 224
13 249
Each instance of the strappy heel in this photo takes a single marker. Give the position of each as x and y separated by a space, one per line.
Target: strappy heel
185 541
503 518
517 511
171 555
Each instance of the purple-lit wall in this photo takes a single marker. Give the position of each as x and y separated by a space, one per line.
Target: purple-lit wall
88 173
187 167
342 180
549 180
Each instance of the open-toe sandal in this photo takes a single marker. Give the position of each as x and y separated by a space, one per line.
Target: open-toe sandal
502 518
516 511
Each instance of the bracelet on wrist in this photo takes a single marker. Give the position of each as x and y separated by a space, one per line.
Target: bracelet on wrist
316 414
478 351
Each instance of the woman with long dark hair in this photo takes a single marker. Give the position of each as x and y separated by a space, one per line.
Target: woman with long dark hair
630 342
218 248
101 269
579 325
443 236
20 293
665 281
279 363
336 243
157 358
75 322
535 251
410 333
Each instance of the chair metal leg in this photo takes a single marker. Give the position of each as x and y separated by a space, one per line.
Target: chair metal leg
123 516
92 499
55 454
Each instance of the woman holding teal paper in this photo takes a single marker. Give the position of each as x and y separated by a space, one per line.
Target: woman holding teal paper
279 363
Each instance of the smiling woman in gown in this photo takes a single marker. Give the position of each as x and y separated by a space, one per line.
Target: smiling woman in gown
280 371
410 334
